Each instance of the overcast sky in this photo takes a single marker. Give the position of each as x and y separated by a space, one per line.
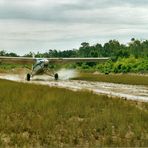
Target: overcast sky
40 25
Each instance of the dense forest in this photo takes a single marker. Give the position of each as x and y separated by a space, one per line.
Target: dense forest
132 57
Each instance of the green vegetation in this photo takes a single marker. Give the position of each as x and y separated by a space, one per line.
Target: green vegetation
13 68
11 54
123 65
132 57
113 48
131 65
34 116
114 78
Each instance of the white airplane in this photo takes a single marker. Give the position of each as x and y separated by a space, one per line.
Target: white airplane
40 65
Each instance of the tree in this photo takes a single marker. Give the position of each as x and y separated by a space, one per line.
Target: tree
84 50
135 48
2 53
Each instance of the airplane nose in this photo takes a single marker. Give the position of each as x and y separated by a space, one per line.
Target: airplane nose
46 62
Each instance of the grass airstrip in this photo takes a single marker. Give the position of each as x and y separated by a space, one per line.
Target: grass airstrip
34 116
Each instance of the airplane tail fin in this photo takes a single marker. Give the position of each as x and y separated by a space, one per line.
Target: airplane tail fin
33 55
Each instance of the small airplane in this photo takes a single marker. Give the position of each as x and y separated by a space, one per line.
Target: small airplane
41 65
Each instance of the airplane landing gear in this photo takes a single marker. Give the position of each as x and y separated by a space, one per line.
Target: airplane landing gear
28 77
56 76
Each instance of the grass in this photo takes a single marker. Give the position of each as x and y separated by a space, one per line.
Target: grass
114 78
35 116
13 68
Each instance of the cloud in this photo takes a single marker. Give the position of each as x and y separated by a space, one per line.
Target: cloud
95 11
64 24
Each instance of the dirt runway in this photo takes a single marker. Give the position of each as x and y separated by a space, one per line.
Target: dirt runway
131 92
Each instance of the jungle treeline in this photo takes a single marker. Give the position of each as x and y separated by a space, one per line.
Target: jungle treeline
113 49
131 57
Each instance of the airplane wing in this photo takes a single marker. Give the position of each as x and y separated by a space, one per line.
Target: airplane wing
17 60
30 60
71 60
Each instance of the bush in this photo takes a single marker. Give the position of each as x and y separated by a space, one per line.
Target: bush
124 65
106 67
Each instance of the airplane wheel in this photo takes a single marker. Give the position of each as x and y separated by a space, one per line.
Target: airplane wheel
28 77
56 76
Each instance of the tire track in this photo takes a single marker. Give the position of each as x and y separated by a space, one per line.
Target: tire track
130 92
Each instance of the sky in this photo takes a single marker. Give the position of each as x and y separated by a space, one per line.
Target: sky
40 25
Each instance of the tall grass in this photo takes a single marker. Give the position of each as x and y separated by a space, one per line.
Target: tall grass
114 78
33 115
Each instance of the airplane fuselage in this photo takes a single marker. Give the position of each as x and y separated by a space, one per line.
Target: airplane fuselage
40 67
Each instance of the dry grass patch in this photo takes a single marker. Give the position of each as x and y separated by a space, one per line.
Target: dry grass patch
115 78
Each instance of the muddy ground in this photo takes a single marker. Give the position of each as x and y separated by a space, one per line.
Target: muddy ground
131 92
